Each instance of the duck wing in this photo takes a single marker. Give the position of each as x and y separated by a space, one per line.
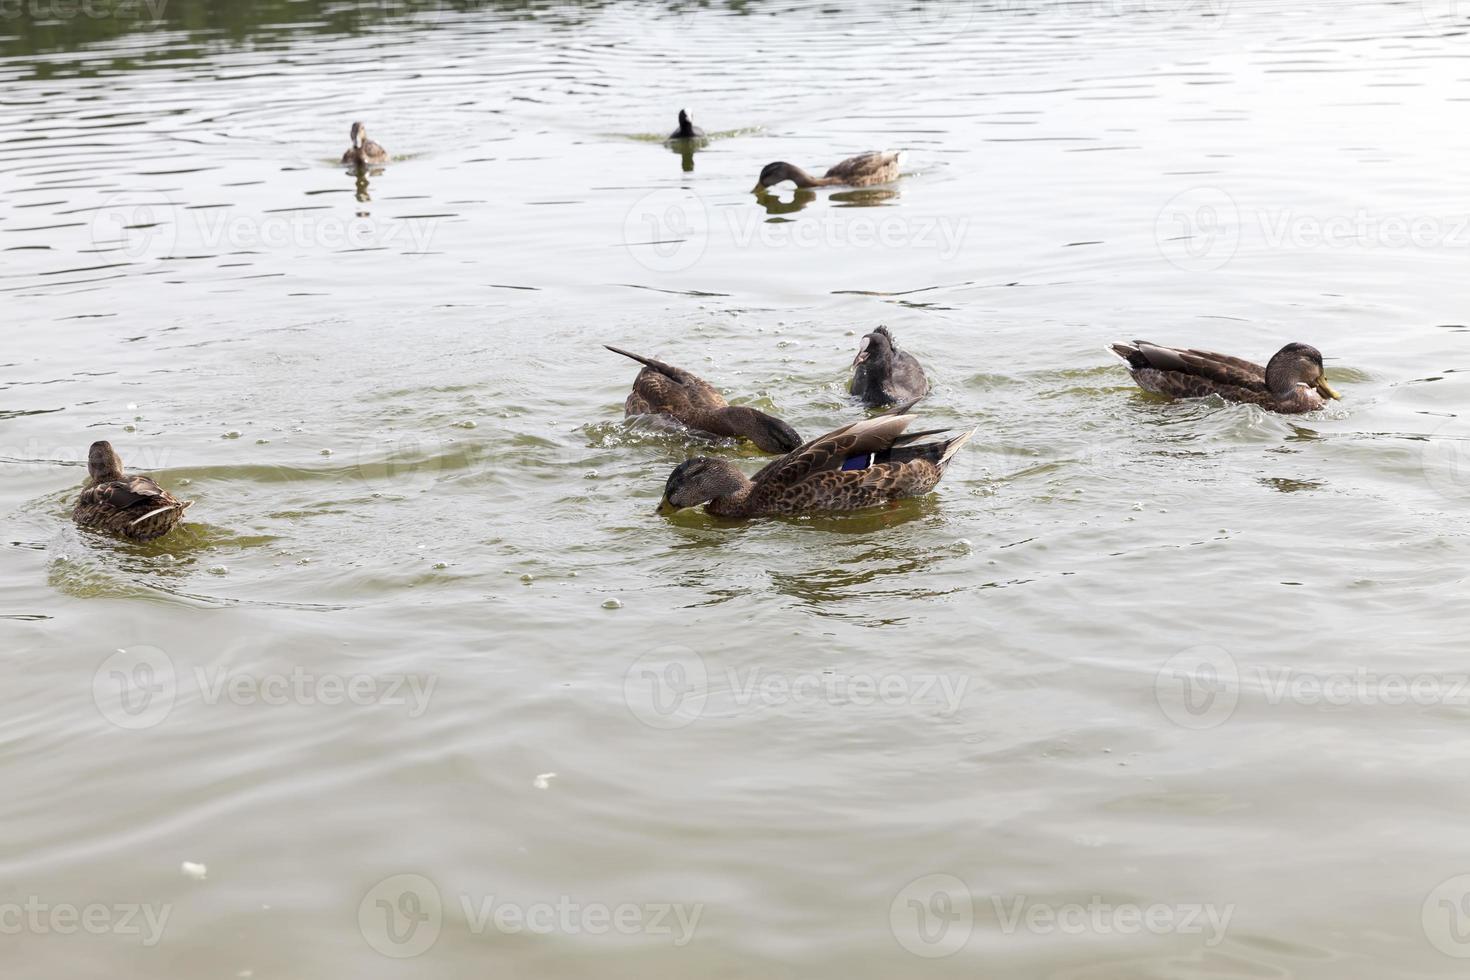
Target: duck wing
662 387
875 166
1218 369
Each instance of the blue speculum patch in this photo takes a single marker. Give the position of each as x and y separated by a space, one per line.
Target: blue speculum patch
858 462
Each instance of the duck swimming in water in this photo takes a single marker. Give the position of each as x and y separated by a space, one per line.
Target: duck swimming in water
863 170
863 464
363 151
687 130
1291 382
662 389
133 507
883 374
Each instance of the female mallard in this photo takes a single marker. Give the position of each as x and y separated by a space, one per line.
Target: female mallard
134 507
1292 381
864 464
863 170
363 151
883 374
662 389
687 130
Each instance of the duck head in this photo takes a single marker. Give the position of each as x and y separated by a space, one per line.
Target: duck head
1297 364
699 480
103 462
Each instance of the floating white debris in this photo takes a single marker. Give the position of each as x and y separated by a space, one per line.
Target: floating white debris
543 781
193 870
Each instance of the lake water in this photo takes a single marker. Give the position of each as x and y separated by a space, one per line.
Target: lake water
428 690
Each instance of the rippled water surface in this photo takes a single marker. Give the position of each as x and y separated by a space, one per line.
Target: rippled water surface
1143 690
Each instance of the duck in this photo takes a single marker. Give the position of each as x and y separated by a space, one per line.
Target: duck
687 130
363 150
884 375
662 389
863 464
863 170
1292 382
133 507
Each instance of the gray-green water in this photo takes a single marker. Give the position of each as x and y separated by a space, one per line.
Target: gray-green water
1144 690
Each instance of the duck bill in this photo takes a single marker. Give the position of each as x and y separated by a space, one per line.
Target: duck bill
758 188
1326 389
665 508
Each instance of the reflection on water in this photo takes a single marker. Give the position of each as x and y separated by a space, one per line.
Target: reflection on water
409 456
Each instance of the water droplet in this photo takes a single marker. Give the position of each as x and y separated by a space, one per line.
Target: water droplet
192 869
441 564
528 578
612 604
465 424
325 452
218 570
232 434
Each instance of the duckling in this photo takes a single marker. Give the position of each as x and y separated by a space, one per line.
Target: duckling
862 464
662 389
134 507
687 130
1291 382
863 170
363 151
883 374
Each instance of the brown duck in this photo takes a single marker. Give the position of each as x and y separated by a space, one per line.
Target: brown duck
864 464
1291 382
863 170
662 389
363 150
134 507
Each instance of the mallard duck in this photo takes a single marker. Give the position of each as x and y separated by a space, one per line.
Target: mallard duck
863 464
134 507
364 151
883 374
662 389
863 170
1292 381
687 130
